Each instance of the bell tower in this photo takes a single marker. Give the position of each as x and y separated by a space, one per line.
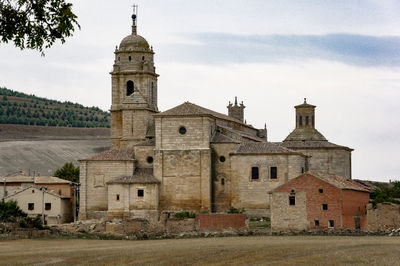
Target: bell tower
134 90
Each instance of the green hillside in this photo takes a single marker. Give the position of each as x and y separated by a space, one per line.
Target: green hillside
20 108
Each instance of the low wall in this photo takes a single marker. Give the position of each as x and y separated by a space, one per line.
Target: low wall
385 216
220 221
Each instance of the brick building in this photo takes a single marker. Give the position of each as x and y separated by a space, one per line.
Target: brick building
189 157
319 201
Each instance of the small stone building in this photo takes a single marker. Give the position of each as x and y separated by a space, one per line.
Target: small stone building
31 200
319 201
190 158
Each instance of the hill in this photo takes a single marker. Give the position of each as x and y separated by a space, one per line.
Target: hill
20 108
42 149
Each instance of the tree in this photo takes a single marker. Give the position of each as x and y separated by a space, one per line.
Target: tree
68 172
9 211
36 24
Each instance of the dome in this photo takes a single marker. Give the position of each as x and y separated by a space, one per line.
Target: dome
133 42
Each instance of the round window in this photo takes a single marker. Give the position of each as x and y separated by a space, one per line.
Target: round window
150 159
222 159
182 130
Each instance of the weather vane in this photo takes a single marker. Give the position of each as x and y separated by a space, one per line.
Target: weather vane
135 11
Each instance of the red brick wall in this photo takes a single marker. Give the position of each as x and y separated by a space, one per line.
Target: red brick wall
215 221
354 204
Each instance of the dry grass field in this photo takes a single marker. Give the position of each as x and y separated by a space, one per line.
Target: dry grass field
264 250
45 149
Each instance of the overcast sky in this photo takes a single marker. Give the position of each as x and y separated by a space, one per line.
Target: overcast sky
343 56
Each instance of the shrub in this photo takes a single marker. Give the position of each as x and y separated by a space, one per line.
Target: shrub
28 222
10 211
183 215
235 210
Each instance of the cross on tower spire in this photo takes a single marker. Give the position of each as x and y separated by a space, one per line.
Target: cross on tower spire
134 17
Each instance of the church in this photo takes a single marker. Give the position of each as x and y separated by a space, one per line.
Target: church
190 158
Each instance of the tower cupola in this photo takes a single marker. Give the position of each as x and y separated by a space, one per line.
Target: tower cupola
305 115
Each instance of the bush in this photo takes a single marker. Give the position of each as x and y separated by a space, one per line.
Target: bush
183 215
10 211
234 210
28 222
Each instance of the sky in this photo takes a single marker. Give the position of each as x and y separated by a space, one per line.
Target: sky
343 56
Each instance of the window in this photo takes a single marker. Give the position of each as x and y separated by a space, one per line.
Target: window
302 170
150 159
33 191
117 197
324 207
140 193
130 58
222 159
320 190
316 222
254 173
292 200
307 120
301 121
142 58
331 223
222 181
31 206
312 120
130 87
274 172
47 206
182 130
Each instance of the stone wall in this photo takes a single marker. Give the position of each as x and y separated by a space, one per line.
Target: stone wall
329 161
384 216
289 217
93 177
253 194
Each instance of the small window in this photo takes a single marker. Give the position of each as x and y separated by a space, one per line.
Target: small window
119 58
301 121
222 181
149 159
140 193
142 58
316 222
117 197
292 200
312 120
182 130
254 173
130 58
307 120
302 170
47 206
274 172
331 223
31 206
130 87
222 159
324 207
33 191
320 190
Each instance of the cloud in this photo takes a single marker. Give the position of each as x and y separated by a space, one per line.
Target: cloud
225 48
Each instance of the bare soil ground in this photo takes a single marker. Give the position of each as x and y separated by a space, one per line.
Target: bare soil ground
45 149
265 250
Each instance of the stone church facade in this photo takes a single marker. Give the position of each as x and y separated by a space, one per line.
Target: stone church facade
189 157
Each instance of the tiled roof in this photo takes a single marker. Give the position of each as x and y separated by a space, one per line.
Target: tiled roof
339 182
365 184
113 155
36 179
300 134
190 109
141 175
263 148
51 192
242 134
310 144
221 138
149 142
